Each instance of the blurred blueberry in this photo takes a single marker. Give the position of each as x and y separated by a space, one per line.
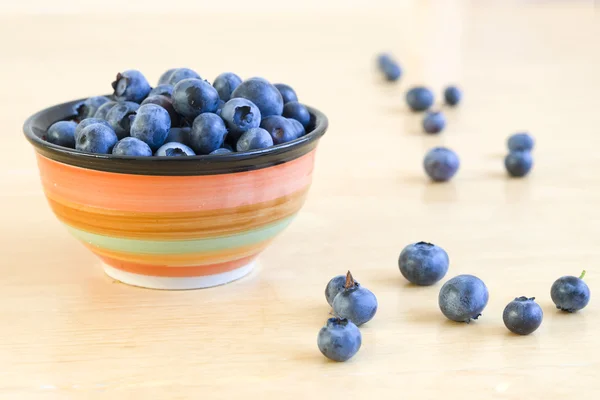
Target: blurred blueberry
164 78
88 108
423 263
419 98
339 340
62 133
162 90
389 67
452 95
518 163
463 298
180 74
297 111
441 164
570 293
287 93
434 122
520 142
103 110
280 129
221 150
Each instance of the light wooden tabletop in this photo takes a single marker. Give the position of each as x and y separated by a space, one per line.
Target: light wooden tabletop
68 331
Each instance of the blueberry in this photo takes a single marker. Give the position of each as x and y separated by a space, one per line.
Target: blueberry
570 294
255 138
419 98
87 122
119 117
221 150
131 85
339 339
280 129
423 263
240 115
389 67
96 138
179 135
164 78
518 163
174 149
225 84
180 74
192 97
520 142
452 95
259 91
355 302
208 133
131 146
62 133
335 285
151 125
463 298
162 90
441 164
297 111
103 110
287 93
523 315
434 122
299 129
88 108
220 107
164 102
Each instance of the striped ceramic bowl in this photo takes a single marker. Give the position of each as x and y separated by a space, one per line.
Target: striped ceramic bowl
174 222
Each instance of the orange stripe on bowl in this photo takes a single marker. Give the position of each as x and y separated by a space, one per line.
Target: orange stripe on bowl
177 272
144 193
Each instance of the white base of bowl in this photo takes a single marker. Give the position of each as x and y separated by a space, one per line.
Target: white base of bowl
166 283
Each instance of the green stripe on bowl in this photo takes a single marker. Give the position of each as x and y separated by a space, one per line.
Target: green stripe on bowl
181 246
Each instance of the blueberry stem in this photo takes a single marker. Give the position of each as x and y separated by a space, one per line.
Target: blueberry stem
582 274
349 281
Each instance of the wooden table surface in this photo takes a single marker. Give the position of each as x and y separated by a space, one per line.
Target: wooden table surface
68 331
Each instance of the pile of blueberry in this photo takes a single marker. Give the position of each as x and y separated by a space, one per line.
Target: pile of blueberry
184 115
441 163
461 299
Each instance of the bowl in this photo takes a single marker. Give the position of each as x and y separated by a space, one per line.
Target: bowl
174 222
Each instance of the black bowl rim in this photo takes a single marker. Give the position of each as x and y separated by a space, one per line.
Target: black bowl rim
168 166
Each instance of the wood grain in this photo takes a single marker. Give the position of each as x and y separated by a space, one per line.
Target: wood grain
69 332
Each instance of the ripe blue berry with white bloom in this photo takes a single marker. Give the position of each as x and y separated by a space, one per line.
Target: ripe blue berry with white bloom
280 129
298 128
259 91
335 285
174 149
208 133
240 115
570 293
287 92
423 263
297 111
253 139
225 84
119 117
192 97
180 74
131 146
452 95
88 108
87 122
434 122
164 78
131 85
355 302
520 142
389 67
166 103
339 340
463 298
62 133
441 164
523 315
96 138
151 125
518 163
162 90
103 110
419 98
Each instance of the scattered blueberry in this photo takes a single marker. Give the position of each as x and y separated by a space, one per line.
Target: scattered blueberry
166 103
419 98
339 339
355 302
119 117
423 263
570 294
441 164
192 97
518 163
335 285
523 315
103 110
463 298
88 108
259 91
131 146
162 90
297 111
389 67
87 122
434 122
221 150
287 93
179 135
280 129
164 78
131 85
225 84
174 149
240 115
96 138
452 95
62 133
180 74
299 129
151 125
208 133
520 142
255 138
